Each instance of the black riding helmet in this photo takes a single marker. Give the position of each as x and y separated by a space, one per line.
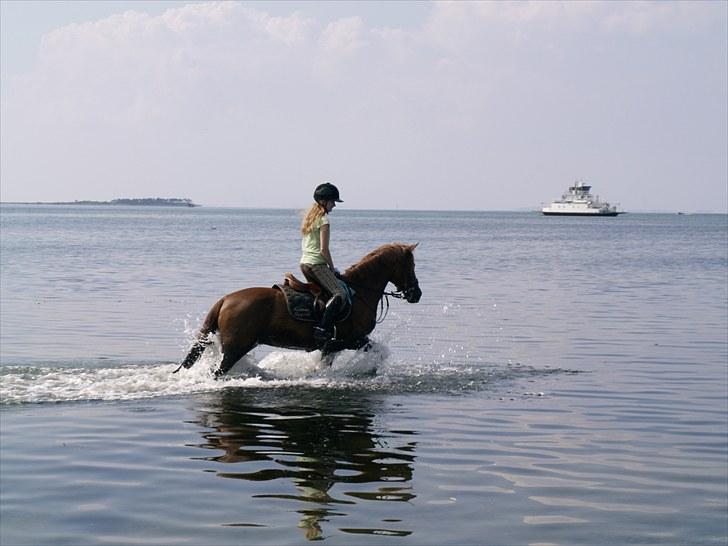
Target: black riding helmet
326 192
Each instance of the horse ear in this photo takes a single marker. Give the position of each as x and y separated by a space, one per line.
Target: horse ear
412 247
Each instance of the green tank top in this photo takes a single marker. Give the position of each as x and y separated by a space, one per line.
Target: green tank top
311 244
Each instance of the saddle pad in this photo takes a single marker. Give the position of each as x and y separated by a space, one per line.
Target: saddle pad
302 305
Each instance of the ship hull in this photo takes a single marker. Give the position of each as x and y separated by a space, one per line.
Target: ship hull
589 214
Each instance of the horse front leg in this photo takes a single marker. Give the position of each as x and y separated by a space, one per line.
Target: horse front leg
362 343
330 349
333 346
327 359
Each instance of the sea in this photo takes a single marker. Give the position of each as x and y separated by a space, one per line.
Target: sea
563 381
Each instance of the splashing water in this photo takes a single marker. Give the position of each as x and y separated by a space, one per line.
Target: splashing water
102 380
438 369
373 370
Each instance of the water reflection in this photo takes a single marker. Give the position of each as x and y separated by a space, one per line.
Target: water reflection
326 445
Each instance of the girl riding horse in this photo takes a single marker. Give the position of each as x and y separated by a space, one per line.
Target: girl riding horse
317 264
258 315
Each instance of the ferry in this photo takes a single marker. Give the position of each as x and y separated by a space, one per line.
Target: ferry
577 201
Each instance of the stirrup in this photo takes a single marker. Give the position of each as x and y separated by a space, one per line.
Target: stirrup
322 335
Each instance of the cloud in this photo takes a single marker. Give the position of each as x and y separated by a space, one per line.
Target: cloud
131 67
669 17
635 16
219 92
344 37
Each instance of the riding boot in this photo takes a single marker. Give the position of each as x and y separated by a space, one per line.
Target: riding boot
325 330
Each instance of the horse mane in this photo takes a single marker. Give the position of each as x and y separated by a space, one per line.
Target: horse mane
371 264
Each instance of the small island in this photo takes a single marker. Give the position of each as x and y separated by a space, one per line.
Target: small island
133 202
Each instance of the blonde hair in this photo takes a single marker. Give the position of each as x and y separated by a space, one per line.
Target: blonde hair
311 218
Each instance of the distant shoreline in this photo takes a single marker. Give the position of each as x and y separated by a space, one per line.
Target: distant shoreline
143 202
175 203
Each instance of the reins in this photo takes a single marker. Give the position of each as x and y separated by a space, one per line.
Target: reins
385 297
383 301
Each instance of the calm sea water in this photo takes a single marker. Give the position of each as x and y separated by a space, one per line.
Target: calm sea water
562 381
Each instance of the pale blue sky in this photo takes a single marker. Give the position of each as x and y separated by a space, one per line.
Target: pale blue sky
488 106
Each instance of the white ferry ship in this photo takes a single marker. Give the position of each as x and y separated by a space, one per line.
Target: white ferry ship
577 201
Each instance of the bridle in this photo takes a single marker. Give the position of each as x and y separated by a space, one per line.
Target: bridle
407 293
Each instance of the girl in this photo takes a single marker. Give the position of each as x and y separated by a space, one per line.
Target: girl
317 264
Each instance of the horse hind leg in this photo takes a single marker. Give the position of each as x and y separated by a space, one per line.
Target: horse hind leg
194 355
230 356
203 337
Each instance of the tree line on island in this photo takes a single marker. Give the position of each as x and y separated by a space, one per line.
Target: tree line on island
156 201
135 202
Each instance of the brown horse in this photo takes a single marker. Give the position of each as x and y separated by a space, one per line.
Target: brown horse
254 316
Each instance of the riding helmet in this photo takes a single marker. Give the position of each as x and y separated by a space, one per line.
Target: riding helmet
326 192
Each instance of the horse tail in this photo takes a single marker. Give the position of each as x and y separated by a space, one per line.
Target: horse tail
202 341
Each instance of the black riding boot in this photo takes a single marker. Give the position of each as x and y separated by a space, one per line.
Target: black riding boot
325 330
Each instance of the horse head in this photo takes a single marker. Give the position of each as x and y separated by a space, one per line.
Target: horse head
393 263
404 277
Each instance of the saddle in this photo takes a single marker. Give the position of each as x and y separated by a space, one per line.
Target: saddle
305 300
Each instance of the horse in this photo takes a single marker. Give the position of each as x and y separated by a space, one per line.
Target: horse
259 316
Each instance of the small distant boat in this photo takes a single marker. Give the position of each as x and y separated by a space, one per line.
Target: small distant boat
578 201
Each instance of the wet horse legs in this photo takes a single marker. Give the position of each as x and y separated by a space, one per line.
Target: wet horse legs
230 355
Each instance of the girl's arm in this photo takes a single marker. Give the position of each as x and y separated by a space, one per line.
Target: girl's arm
325 252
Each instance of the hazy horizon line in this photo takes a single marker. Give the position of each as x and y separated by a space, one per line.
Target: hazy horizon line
81 203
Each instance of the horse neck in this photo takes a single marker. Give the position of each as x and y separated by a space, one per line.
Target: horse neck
369 282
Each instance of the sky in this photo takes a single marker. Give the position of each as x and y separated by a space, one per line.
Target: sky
402 105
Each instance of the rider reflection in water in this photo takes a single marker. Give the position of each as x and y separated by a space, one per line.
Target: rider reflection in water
316 262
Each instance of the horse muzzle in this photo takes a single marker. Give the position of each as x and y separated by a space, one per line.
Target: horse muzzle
413 294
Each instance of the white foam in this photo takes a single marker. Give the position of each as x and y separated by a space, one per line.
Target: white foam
298 365
133 381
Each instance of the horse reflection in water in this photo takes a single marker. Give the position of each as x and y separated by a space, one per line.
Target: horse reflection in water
325 446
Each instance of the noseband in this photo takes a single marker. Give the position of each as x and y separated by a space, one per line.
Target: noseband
405 294
408 292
